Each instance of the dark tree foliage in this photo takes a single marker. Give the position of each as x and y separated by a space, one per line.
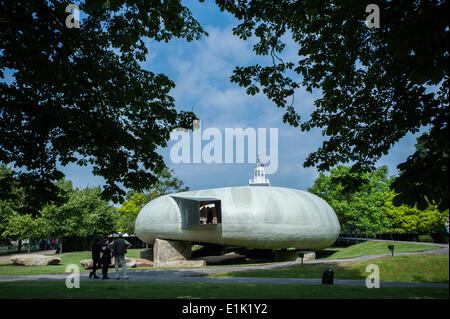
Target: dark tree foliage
22 198
377 84
424 175
79 95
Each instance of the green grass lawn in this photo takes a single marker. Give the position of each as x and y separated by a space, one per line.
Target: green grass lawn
8 269
102 290
413 268
373 248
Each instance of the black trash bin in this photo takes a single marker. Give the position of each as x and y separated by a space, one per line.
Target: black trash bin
328 277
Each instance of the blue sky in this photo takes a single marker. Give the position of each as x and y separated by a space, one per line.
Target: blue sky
201 71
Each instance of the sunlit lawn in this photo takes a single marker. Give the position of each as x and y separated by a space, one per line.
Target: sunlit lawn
412 268
375 248
8 269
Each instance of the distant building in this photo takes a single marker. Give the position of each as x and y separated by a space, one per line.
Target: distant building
259 175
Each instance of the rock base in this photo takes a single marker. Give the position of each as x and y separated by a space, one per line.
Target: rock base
182 263
140 262
308 255
168 251
223 259
131 263
35 260
147 254
293 255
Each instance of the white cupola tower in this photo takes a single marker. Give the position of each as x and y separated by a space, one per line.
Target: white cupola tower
259 175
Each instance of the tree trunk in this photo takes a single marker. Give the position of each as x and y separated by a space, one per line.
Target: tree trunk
29 246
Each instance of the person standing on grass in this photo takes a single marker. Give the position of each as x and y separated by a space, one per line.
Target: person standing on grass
105 261
96 248
57 246
119 248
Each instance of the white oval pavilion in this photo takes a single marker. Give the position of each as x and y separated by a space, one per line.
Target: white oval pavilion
255 216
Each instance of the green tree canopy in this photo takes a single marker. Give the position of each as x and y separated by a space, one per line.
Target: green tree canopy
25 226
21 198
363 207
83 213
130 209
18 205
11 198
376 84
424 175
407 219
80 95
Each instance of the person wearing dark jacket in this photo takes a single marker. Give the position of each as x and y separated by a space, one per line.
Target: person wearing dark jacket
96 248
209 216
119 248
105 261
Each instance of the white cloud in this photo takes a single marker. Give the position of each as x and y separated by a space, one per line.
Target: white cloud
202 71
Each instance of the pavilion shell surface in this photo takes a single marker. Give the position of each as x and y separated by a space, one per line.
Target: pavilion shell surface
263 217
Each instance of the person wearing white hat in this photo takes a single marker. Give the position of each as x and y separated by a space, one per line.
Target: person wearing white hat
119 248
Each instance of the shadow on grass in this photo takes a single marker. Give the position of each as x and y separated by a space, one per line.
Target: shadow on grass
100 290
325 253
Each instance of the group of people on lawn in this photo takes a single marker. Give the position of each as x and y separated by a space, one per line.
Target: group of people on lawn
117 249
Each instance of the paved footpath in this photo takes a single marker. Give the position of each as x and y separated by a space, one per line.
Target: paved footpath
196 275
